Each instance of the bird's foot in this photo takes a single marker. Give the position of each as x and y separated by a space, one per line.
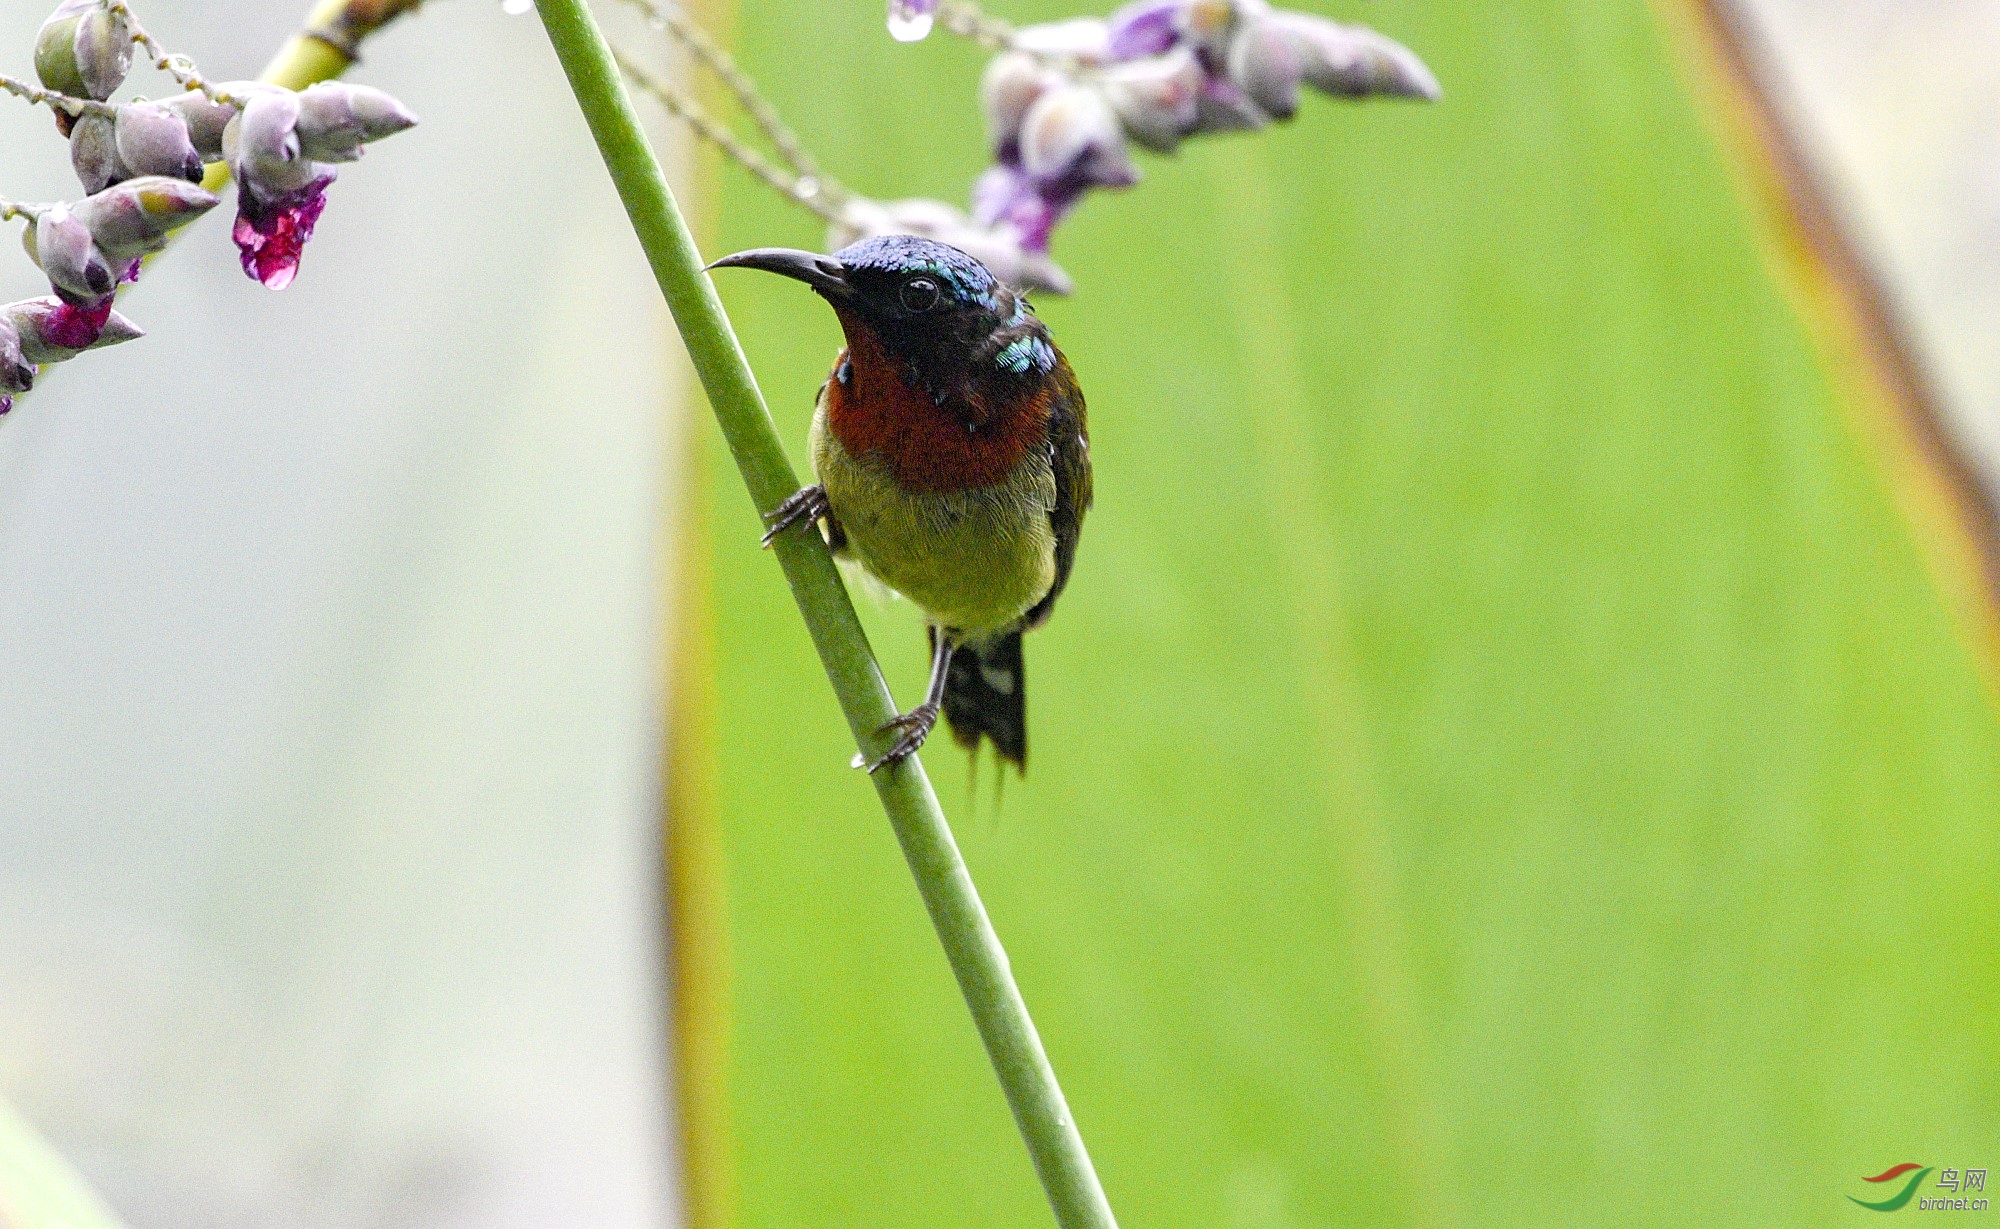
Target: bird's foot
915 726
804 504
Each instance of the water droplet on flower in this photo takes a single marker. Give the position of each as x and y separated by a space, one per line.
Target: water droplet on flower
910 20
515 8
806 188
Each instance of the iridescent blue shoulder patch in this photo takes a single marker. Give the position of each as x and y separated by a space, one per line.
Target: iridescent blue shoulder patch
1025 353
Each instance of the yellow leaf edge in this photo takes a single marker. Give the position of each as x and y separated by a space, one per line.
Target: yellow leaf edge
1869 352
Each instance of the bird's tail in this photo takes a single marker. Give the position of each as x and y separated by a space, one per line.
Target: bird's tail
985 696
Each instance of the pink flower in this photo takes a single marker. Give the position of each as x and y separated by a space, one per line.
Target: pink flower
280 147
271 236
52 331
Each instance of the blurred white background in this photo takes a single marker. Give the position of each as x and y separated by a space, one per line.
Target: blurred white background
1900 100
328 640
327 677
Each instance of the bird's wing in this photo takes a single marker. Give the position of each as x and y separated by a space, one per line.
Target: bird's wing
1069 453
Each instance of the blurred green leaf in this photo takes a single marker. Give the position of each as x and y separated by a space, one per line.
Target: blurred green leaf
1502 760
38 1190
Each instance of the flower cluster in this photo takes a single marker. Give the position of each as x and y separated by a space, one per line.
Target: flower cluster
86 250
1066 102
141 165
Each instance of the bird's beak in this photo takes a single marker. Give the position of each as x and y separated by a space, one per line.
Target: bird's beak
822 273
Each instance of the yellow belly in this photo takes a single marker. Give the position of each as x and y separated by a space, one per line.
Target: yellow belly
974 561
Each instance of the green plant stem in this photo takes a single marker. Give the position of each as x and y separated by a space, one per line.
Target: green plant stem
970 944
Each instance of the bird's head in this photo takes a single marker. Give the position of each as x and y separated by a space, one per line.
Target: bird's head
924 304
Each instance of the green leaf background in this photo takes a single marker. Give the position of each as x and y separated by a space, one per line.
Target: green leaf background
1505 758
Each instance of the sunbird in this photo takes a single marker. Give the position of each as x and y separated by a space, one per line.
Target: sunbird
953 465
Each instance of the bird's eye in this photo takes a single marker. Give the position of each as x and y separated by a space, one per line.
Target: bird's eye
920 294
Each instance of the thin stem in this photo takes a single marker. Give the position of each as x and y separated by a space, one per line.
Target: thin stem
819 195
974 951
180 67
968 20
671 17
55 101
9 210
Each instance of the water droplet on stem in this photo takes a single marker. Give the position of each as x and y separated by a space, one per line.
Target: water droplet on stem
911 20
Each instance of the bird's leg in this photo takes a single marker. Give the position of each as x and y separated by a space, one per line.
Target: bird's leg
805 504
916 724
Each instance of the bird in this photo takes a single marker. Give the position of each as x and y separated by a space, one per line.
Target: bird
952 462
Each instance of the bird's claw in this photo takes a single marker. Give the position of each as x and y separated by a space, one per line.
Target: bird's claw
916 726
804 504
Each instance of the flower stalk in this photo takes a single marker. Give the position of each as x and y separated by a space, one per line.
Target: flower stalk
974 951
969 21
808 191
55 100
669 16
180 67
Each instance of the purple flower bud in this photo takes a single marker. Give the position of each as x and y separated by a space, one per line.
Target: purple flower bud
995 192
93 152
1011 84
206 120
1264 64
63 247
1081 38
1223 107
82 49
1208 23
1354 60
52 331
1006 197
262 144
381 115
134 218
17 374
153 140
327 126
1072 133
55 47
103 53
335 119
1155 97
1143 28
